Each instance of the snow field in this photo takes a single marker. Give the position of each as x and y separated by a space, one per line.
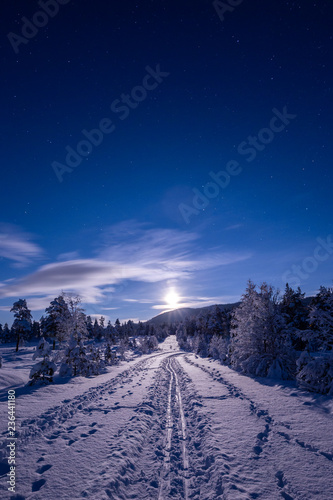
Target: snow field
277 441
171 425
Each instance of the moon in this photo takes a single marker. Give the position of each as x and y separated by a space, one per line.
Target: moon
172 299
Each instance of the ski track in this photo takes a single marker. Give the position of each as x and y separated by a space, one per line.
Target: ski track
156 459
165 476
165 483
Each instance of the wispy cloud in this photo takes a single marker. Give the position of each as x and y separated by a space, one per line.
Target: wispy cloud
68 256
129 252
140 301
15 245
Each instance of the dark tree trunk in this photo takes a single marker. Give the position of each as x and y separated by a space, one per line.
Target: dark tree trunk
18 342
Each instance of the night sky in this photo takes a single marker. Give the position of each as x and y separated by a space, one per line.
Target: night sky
212 162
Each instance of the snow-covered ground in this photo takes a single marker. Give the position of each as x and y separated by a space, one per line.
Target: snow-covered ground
168 425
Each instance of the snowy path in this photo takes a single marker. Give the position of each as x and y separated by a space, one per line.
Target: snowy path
176 426
165 482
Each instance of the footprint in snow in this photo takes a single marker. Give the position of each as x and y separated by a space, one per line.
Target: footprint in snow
36 485
4 468
71 428
44 468
257 450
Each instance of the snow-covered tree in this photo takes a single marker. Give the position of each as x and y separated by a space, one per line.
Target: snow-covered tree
75 361
23 321
55 324
295 314
201 344
6 334
219 348
319 335
148 344
110 355
97 333
96 363
75 325
218 322
259 343
102 322
44 370
110 333
90 327
117 328
35 331
185 334
315 373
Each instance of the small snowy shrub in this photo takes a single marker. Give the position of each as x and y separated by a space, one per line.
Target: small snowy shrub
280 366
218 348
315 373
44 370
148 344
96 363
110 355
75 361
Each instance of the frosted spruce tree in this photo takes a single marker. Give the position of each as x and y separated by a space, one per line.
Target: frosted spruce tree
315 365
44 370
259 341
96 363
6 334
219 348
295 314
75 360
109 355
55 323
315 373
23 321
319 335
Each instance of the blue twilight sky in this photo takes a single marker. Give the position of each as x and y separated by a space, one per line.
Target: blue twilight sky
214 164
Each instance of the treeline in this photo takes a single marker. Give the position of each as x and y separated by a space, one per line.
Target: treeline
70 340
64 314
269 335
